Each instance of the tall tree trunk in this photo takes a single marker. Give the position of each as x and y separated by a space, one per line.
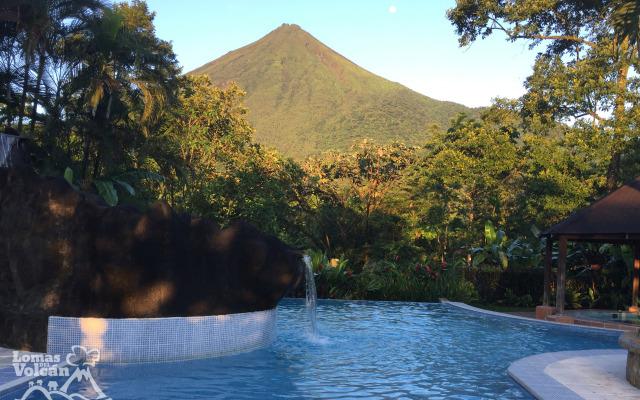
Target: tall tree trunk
613 171
50 135
85 159
36 94
25 84
7 94
619 130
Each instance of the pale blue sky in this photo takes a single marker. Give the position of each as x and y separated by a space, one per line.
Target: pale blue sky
415 45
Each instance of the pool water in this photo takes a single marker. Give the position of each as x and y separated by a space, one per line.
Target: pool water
364 350
620 316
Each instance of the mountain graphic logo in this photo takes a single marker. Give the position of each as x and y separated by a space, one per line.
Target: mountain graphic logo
46 386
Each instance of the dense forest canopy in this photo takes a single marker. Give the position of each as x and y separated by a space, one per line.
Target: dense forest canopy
107 106
587 75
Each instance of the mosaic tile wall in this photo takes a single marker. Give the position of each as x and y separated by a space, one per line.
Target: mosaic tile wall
133 340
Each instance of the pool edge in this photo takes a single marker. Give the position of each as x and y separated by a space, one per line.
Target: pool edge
529 372
464 306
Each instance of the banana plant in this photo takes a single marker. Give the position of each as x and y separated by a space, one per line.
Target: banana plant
498 250
68 176
493 252
106 185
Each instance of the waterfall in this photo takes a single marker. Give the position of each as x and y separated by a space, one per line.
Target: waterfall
312 297
7 142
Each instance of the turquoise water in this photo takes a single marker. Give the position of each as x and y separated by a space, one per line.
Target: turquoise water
364 350
621 316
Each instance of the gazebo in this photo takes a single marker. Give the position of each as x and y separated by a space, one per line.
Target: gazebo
615 218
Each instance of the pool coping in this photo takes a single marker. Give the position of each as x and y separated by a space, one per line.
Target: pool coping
529 372
467 307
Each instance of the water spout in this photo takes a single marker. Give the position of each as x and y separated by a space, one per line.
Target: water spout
7 142
13 150
312 297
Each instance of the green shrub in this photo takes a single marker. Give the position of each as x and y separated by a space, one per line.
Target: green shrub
426 280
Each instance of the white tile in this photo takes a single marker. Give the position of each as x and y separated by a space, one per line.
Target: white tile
163 339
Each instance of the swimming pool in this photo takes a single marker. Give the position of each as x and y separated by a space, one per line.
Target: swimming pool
364 350
619 316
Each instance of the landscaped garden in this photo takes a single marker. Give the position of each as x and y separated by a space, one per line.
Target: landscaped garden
456 217
154 168
502 277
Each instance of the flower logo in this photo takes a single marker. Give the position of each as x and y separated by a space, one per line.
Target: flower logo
83 356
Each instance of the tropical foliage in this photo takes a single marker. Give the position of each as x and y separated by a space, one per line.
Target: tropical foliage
427 280
106 106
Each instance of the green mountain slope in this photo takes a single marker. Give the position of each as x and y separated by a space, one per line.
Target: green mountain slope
304 98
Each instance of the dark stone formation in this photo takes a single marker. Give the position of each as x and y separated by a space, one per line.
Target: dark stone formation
631 342
66 253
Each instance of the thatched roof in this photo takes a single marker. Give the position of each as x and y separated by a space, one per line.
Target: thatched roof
614 218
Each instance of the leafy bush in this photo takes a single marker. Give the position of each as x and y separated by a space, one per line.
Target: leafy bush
498 251
426 280
589 285
332 276
486 281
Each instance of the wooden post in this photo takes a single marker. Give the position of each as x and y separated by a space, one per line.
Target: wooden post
548 259
636 278
545 310
562 275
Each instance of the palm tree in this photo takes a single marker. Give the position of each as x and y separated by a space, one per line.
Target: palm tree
39 24
123 57
9 74
625 20
65 18
127 78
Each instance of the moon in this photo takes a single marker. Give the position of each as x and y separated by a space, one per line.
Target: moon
392 9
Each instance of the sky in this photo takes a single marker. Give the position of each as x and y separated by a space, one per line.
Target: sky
406 41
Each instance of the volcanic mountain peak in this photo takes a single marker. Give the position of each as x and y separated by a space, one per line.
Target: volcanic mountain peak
305 98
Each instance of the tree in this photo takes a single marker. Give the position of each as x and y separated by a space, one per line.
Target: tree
210 132
557 180
260 187
38 26
221 173
625 19
125 81
585 74
212 123
467 177
9 61
352 208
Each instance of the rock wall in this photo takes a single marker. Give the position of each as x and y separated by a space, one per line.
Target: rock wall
66 253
